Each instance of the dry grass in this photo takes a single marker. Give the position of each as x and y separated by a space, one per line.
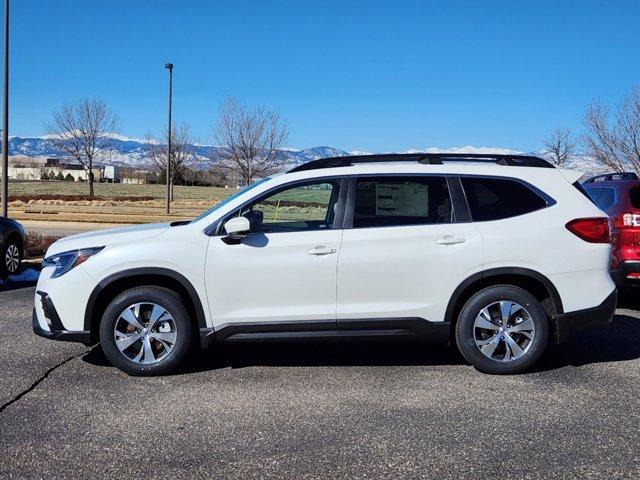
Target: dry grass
119 203
113 203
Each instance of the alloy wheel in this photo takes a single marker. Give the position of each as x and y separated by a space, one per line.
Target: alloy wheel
503 331
145 333
12 258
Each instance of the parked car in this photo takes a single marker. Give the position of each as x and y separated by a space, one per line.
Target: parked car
498 254
12 246
618 194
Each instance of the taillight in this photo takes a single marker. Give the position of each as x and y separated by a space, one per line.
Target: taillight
626 220
592 230
626 236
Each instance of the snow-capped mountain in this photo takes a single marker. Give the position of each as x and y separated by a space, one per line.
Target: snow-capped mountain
132 152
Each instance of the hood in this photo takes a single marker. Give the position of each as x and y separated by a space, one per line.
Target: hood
103 238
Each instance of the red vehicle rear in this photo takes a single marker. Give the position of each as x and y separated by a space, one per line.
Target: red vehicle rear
618 194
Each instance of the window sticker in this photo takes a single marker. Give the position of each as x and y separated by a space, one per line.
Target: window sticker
402 199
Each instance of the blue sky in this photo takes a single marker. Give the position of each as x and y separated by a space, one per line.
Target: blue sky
370 75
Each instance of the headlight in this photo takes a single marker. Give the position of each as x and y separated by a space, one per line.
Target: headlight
65 261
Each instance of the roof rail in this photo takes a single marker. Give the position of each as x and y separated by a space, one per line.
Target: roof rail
607 177
426 159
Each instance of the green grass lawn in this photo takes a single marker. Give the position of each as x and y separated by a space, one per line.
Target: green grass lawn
110 190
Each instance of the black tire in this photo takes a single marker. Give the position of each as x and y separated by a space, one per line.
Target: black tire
12 246
169 301
465 330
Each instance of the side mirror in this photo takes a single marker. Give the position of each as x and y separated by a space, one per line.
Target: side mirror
237 228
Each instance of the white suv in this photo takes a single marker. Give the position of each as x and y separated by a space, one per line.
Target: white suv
500 254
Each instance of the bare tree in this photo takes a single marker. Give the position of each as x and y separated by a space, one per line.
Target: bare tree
614 139
183 155
628 129
83 131
600 138
560 146
251 139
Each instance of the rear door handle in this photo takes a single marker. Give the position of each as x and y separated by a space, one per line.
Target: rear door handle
321 250
450 240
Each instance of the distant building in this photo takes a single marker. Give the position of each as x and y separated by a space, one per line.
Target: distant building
36 168
112 173
137 176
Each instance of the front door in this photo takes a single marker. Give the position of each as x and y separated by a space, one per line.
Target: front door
281 279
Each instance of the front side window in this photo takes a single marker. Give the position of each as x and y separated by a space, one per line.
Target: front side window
301 207
497 198
230 198
395 201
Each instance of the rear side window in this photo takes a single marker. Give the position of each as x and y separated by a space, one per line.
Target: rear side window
494 199
395 201
634 196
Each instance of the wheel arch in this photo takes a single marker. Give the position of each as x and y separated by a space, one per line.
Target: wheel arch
15 234
117 283
534 282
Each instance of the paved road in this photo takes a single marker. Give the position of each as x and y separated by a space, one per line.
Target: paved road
66 228
318 411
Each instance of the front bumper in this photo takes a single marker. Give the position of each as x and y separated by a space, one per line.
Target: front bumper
63 335
50 326
565 323
620 274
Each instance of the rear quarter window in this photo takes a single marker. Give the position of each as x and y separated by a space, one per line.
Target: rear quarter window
592 193
497 198
607 198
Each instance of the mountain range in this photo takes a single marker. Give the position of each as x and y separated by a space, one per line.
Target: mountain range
131 152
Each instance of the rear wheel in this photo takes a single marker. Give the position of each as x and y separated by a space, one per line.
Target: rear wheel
502 329
11 256
146 331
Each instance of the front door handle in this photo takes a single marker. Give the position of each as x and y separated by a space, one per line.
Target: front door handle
450 240
321 250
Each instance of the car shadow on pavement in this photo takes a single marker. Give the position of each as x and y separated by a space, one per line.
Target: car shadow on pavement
296 354
618 341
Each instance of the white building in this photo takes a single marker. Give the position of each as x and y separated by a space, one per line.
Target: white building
35 168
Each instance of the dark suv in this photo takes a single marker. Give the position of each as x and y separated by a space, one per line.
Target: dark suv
618 194
12 246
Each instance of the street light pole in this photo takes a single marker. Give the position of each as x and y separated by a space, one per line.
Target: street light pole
5 116
169 66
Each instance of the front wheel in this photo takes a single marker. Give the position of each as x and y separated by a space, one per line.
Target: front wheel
502 330
146 331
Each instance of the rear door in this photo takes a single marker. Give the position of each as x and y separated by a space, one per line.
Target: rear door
403 251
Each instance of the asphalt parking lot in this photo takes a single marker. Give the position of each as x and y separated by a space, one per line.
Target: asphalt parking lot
318 411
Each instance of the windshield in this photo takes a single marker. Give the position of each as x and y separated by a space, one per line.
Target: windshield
230 198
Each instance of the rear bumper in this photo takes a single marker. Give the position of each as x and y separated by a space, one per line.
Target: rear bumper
619 275
566 323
